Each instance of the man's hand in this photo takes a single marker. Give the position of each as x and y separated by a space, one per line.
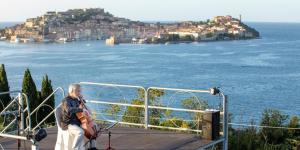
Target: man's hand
84 126
81 106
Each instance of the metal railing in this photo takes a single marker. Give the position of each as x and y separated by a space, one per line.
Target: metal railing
119 104
29 130
21 112
59 89
175 109
146 106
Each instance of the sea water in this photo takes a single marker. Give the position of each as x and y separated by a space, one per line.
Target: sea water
255 74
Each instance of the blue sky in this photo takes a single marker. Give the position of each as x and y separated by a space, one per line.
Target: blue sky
161 10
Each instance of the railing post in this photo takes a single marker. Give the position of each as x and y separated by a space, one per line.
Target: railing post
146 109
225 122
21 111
35 146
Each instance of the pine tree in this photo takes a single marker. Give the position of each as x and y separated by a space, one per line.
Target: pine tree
29 88
4 87
45 92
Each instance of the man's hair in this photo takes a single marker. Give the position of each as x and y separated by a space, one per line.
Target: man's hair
73 87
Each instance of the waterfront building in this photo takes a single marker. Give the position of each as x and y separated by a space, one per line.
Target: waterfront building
111 41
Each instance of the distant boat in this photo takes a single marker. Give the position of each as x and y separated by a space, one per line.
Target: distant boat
62 40
3 38
134 41
26 40
138 41
14 39
46 41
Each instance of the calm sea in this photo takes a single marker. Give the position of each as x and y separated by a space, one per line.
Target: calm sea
256 74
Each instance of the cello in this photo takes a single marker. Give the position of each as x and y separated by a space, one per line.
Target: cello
87 122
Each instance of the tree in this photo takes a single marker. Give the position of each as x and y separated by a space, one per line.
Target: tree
209 35
133 114
245 139
46 90
294 135
195 104
173 37
187 38
4 87
273 118
248 138
29 88
175 122
294 123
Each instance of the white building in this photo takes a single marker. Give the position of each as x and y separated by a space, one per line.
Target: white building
183 34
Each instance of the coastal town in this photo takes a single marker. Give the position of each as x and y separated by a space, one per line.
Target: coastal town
96 24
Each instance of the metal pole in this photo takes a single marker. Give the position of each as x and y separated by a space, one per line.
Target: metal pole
28 112
146 110
13 136
225 122
35 146
22 119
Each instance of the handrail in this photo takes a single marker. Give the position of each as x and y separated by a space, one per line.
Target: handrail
174 128
59 88
20 105
143 106
125 86
111 85
113 103
175 89
8 92
27 109
146 106
13 136
126 123
11 102
41 105
155 107
225 120
21 110
11 123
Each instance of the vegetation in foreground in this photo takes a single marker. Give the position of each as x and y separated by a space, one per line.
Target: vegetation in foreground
246 138
266 137
35 98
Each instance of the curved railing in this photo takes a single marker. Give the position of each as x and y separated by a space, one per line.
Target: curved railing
20 102
59 89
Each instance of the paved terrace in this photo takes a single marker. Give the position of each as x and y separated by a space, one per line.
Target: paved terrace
124 138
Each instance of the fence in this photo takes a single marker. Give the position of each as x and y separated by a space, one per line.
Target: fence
147 106
16 113
26 134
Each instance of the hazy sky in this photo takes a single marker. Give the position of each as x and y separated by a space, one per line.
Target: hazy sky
161 10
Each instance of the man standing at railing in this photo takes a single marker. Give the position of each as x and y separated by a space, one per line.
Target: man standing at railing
71 106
